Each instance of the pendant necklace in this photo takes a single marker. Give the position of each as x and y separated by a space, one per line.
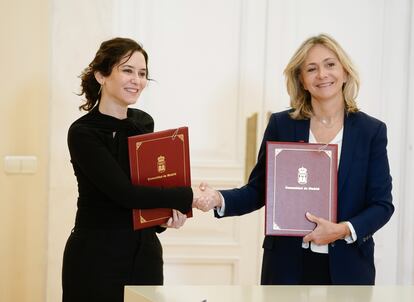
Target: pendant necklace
326 122
330 121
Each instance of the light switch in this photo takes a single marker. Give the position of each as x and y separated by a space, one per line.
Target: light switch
11 164
20 164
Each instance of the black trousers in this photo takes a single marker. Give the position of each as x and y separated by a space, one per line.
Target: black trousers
294 265
97 264
315 268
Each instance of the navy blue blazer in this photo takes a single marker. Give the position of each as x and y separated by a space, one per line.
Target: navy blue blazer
364 199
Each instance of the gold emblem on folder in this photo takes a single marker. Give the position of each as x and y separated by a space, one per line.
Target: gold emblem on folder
161 164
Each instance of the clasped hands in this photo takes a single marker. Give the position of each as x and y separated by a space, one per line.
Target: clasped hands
206 198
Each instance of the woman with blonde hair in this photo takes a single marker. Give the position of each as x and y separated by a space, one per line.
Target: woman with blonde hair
323 85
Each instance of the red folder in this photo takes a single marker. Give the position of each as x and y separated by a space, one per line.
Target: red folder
300 178
159 159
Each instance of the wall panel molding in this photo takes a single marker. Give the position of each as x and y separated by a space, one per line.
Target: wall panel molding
185 267
405 271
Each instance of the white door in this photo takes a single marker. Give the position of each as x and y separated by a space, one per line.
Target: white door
205 58
376 36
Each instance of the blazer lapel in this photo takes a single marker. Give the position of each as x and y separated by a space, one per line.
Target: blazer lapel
349 140
302 131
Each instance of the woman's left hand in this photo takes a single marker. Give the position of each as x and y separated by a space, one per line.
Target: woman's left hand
176 221
326 231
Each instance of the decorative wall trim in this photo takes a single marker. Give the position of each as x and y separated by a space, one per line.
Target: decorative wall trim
191 259
234 262
217 183
405 270
195 242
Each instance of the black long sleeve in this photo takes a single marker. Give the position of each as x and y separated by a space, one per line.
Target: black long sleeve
99 154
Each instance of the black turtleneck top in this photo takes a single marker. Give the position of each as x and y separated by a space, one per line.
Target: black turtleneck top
99 154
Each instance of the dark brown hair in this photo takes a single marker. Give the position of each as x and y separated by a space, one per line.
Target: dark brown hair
109 54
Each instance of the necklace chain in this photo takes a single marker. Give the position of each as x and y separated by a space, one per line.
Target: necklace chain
326 122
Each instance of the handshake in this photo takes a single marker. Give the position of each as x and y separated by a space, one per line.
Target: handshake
206 198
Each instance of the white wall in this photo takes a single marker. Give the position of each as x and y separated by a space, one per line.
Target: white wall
405 272
77 29
24 112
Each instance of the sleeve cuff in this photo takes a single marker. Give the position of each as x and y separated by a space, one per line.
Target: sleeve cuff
220 210
353 237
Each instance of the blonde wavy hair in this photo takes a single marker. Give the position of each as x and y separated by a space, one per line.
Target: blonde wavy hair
300 99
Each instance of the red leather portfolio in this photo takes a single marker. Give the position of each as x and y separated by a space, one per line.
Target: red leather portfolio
159 159
300 178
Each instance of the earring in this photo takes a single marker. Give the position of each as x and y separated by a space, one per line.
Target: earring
100 89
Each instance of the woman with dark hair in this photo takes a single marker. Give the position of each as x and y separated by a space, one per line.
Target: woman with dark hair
323 85
103 252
